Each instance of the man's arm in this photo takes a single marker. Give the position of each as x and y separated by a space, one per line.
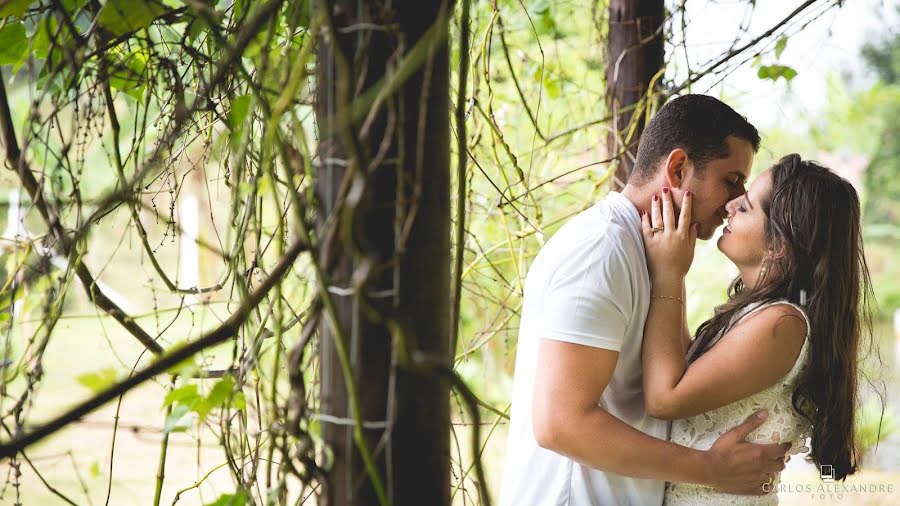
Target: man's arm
570 381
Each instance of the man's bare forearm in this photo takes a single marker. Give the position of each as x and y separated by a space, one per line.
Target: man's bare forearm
600 440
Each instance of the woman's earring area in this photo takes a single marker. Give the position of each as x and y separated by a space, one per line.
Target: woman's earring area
762 269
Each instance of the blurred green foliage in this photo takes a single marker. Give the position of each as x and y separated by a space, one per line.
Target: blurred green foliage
873 426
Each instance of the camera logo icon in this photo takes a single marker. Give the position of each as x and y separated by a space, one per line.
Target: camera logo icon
827 473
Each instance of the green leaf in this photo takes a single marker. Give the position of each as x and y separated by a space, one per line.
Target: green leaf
236 499
15 8
195 28
544 23
240 6
176 421
239 401
127 73
98 380
73 5
218 395
94 469
126 16
43 32
264 185
541 13
298 14
221 391
240 107
780 45
257 45
186 394
551 85
13 43
773 72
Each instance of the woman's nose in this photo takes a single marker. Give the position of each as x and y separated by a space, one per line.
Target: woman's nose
729 207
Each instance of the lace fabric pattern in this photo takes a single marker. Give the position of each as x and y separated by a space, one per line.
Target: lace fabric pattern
783 425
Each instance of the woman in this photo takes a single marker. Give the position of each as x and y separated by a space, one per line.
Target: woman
787 339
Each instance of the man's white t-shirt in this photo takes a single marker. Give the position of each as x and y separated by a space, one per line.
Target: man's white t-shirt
588 285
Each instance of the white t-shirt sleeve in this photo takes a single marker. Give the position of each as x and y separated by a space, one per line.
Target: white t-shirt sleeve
588 299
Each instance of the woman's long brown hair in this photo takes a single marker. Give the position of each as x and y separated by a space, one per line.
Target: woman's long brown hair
813 222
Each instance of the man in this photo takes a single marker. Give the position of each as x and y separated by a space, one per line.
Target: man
579 431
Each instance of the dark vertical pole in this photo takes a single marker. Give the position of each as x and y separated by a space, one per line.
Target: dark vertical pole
634 57
402 161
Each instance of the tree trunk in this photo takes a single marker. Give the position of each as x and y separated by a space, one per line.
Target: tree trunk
634 57
404 152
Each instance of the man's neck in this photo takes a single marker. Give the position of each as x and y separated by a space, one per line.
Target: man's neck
638 196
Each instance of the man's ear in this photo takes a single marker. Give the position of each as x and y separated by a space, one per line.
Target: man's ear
677 167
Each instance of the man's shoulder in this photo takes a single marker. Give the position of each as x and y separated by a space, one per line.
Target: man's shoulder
592 236
601 223
596 237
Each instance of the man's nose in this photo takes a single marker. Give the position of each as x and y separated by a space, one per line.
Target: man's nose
737 191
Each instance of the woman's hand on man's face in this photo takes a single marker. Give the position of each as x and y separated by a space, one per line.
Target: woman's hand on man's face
669 244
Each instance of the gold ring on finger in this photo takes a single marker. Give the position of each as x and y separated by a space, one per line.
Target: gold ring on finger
656 229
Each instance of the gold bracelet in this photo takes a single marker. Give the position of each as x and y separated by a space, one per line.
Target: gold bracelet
667 297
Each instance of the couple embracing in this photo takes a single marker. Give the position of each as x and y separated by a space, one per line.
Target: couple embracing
615 403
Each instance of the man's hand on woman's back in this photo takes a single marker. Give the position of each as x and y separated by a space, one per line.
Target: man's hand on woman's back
739 467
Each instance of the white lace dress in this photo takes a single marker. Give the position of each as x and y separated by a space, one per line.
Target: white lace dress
783 424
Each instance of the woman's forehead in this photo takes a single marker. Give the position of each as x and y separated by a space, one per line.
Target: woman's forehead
761 185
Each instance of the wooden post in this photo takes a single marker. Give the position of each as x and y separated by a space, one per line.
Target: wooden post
634 57
404 151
